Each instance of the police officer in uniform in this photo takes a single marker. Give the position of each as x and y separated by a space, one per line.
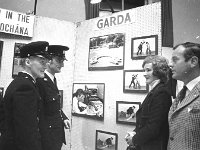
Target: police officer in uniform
21 101
52 118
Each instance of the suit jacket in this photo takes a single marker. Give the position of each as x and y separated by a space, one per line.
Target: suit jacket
184 122
152 121
51 115
21 115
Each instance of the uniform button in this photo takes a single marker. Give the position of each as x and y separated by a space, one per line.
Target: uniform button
53 99
49 126
171 138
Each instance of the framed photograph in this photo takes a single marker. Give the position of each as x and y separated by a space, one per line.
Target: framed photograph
61 98
1 91
144 46
88 100
126 112
106 52
17 60
106 140
134 82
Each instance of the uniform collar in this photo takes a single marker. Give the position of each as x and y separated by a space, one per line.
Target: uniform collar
50 75
29 75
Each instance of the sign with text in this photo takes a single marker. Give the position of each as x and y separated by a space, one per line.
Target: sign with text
114 20
16 23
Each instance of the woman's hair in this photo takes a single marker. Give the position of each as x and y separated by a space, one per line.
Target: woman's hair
79 92
160 66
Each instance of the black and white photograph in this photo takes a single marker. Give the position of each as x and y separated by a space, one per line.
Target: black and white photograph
134 82
106 140
144 46
1 91
106 52
126 112
88 100
17 60
61 98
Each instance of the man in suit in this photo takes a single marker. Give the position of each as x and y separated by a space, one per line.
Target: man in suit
184 114
52 118
21 101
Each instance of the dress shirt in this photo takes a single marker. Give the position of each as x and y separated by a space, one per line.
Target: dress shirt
153 84
50 76
192 84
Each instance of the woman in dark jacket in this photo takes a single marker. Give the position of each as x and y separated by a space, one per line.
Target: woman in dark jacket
151 132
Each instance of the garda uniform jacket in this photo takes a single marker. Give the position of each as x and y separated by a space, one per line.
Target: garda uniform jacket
184 122
51 116
21 115
151 120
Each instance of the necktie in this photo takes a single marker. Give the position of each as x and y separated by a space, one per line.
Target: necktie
55 82
182 93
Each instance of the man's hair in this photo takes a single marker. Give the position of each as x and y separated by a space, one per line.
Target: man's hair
160 66
191 49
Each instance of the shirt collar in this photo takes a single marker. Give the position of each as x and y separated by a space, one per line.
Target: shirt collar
192 83
50 75
154 83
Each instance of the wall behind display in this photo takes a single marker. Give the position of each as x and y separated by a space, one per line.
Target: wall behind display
145 21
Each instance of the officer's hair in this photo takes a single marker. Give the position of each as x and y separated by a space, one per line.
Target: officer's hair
22 62
160 66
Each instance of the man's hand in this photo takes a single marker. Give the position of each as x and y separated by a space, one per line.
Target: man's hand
128 138
67 124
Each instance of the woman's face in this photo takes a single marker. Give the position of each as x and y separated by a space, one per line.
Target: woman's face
148 73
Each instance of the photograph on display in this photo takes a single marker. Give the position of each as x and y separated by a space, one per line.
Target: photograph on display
1 50
88 100
106 140
126 112
106 52
61 98
17 60
1 91
134 82
144 46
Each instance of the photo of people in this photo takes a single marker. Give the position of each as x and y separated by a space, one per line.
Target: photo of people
88 100
106 140
144 46
134 81
126 111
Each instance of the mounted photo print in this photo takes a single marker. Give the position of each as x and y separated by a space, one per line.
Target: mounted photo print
134 82
106 140
144 46
1 91
126 112
88 100
106 52
17 60
61 98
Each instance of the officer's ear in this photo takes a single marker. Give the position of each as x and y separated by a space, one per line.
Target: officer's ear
27 62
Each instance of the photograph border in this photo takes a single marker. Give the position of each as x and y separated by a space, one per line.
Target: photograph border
85 115
106 132
16 58
117 110
61 98
107 67
2 89
143 37
133 90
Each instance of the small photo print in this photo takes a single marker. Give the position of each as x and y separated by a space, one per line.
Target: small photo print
106 140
